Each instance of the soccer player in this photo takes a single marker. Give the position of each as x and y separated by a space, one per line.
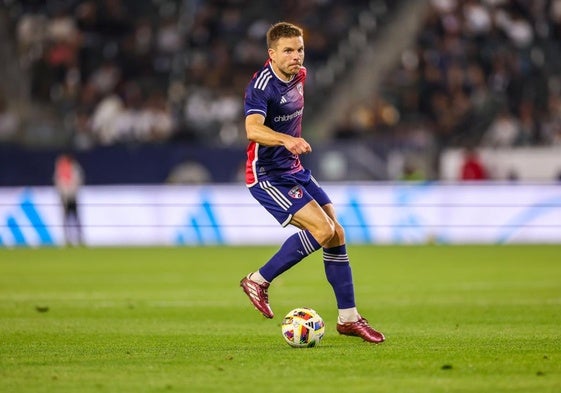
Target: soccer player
68 178
274 102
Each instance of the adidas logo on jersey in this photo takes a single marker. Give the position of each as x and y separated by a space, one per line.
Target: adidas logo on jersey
283 100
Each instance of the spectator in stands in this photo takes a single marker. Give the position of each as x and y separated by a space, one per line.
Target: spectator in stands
472 166
552 122
504 131
9 122
530 129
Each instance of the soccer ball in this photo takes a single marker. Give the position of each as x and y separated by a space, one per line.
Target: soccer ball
303 328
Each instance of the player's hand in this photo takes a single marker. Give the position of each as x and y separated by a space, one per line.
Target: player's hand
298 146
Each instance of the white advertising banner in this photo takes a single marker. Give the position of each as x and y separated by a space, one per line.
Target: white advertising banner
372 213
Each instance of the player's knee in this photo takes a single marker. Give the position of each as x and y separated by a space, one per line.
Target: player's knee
339 232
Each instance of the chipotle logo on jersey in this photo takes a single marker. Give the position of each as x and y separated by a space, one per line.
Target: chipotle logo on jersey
296 192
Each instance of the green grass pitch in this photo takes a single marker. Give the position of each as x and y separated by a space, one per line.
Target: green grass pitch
456 319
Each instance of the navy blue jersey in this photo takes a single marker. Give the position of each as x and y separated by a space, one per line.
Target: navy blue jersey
282 105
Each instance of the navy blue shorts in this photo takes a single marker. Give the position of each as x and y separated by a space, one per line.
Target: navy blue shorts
284 195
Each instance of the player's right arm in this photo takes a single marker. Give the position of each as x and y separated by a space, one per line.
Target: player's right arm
258 132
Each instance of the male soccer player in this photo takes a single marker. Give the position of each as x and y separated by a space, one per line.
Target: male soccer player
274 102
68 178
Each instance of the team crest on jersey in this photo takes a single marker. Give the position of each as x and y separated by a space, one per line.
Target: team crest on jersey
296 192
300 88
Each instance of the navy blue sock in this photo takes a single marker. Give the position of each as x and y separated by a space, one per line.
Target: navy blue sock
292 251
339 275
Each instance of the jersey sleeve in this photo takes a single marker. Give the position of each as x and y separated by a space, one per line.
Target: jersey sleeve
255 101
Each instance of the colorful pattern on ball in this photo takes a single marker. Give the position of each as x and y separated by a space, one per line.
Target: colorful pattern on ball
303 328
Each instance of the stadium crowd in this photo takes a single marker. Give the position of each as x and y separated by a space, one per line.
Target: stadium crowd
154 70
480 72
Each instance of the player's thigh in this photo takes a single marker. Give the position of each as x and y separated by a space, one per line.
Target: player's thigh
313 218
329 209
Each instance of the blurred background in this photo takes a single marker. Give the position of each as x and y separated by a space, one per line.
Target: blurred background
150 92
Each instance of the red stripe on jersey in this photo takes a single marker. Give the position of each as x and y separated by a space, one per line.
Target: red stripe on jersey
250 171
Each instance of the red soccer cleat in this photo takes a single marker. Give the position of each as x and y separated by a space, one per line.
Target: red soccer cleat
258 295
361 329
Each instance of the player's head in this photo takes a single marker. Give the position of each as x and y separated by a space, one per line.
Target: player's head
285 43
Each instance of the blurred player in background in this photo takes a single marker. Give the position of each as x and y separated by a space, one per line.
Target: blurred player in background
68 178
274 103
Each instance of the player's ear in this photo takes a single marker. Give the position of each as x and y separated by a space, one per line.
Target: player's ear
271 52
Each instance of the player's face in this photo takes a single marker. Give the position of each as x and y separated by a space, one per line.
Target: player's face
287 56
